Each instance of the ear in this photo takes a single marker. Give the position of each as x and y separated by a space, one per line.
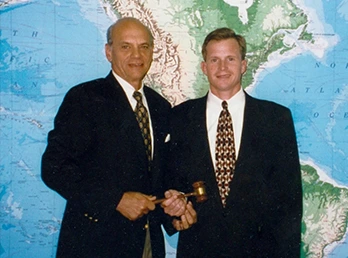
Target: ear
108 52
244 66
204 67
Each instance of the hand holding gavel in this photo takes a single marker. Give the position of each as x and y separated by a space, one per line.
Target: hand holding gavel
198 191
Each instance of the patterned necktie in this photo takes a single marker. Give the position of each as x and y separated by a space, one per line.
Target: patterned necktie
225 154
144 124
143 120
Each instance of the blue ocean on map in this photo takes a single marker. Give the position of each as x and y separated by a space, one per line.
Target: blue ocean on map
305 78
50 57
67 49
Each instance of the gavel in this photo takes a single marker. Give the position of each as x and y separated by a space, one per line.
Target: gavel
198 191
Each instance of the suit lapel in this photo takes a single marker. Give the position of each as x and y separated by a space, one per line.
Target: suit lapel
250 124
124 118
198 128
203 162
201 143
155 117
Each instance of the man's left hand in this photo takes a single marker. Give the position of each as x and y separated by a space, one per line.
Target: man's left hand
187 219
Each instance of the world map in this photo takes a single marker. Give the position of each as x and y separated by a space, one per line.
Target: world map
297 56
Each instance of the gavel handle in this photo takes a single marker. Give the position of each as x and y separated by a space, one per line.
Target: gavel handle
179 196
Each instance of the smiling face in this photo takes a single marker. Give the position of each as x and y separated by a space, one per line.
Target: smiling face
130 51
224 67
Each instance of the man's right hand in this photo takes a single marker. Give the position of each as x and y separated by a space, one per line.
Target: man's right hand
134 205
174 204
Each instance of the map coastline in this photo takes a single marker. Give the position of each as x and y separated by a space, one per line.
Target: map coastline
325 212
317 48
323 176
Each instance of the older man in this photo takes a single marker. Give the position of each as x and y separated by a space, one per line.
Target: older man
105 155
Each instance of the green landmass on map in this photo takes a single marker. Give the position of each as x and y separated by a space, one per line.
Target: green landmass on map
325 213
262 39
268 23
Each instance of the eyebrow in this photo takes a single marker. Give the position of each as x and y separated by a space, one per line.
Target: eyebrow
130 43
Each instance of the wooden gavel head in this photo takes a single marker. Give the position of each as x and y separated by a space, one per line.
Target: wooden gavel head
199 191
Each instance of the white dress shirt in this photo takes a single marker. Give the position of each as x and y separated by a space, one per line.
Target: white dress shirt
236 106
129 90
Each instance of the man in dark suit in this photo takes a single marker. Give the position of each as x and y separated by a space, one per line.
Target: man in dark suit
104 164
254 205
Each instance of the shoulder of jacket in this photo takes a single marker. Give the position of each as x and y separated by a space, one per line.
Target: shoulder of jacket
266 104
190 103
156 96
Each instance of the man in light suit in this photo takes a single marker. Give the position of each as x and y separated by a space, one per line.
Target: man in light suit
96 157
259 215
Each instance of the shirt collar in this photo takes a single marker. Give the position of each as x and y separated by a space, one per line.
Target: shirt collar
233 103
127 87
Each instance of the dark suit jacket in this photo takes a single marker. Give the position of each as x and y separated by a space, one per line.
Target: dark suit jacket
95 153
263 213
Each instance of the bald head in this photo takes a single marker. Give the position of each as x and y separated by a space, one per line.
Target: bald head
123 23
129 50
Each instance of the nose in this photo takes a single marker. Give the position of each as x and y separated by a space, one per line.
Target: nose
135 52
222 65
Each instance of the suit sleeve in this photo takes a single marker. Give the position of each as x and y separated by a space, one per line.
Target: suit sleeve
64 162
285 222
